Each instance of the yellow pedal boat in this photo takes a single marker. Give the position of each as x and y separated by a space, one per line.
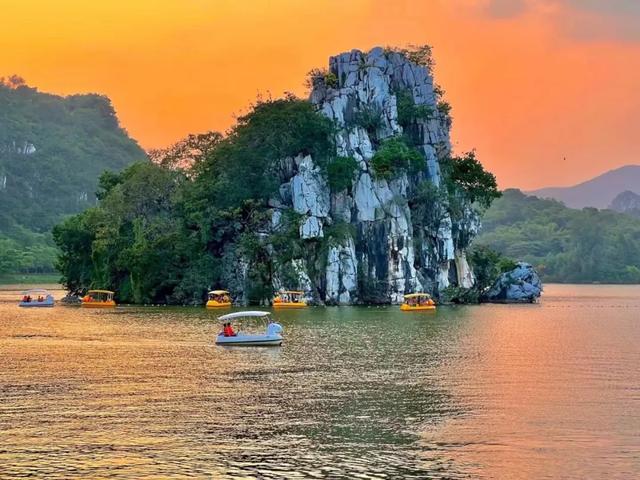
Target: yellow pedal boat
289 299
218 299
98 299
416 302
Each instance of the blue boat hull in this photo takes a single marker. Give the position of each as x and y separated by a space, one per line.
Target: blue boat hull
46 303
242 340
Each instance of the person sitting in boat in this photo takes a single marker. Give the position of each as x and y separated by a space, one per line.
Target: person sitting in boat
228 330
40 298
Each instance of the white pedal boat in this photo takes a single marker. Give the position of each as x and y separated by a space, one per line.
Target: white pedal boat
36 297
240 329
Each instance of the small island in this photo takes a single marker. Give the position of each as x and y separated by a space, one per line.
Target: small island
353 196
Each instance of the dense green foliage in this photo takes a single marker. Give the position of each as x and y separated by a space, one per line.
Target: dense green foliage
163 234
340 173
408 111
466 174
563 244
320 75
202 216
369 118
52 150
395 156
134 239
245 165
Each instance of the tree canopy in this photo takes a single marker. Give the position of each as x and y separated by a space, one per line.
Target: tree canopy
199 216
564 244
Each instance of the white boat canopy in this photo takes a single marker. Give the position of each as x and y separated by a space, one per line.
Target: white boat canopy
36 290
218 292
254 313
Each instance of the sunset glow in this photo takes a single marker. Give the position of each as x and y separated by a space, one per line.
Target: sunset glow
546 91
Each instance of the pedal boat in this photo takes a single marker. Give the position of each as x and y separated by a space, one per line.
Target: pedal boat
289 299
417 302
36 297
247 326
218 299
98 299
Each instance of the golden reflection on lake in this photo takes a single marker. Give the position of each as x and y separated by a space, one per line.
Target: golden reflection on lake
494 391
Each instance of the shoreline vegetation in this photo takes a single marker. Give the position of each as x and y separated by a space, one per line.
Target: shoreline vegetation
273 202
52 150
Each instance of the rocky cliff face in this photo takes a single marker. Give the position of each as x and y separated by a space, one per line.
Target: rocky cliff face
384 252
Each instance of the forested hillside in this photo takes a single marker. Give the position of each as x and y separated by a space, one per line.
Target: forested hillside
564 244
353 196
52 151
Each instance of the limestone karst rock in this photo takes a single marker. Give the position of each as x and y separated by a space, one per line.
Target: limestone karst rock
384 252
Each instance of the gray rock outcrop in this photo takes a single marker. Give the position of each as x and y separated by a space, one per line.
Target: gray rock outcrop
627 202
382 252
521 285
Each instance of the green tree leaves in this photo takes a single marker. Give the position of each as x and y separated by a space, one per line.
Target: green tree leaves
395 156
563 244
466 174
340 172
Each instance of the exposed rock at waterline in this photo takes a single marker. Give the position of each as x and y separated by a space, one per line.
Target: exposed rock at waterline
521 285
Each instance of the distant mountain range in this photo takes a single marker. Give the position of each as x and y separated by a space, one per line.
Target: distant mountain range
599 192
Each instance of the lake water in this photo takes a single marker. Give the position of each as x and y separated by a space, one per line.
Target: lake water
494 391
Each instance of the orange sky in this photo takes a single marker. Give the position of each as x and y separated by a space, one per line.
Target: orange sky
547 91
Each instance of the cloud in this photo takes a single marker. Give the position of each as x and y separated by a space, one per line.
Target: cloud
611 7
581 19
505 8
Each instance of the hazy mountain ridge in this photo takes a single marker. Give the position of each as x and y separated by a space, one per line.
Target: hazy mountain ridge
598 192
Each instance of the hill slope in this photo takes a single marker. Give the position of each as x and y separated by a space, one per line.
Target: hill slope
598 192
627 202
565 245
52 150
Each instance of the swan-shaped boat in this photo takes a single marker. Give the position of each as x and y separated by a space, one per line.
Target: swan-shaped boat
36 297
241 329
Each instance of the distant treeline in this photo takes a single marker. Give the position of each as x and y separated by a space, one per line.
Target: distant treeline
564 244
52 151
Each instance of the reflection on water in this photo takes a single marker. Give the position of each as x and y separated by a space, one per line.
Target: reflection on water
536 391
